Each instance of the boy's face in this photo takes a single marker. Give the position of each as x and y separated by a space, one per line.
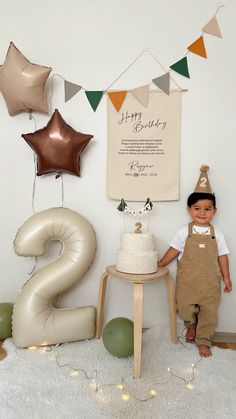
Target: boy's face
202 212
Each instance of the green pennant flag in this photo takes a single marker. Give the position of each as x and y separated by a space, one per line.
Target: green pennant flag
181 67
94 97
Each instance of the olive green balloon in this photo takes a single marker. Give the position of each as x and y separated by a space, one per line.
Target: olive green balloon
118 337
6 320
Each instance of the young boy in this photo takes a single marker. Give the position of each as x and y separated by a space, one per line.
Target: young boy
202 262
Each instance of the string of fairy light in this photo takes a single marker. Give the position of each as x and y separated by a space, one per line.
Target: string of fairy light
122 386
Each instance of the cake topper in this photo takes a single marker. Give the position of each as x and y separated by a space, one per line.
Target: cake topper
123 207
138 228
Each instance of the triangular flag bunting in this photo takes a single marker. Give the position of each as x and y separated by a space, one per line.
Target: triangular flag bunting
163 82
94 97
212 28
141 94
181 67
198 47
117 98
70 89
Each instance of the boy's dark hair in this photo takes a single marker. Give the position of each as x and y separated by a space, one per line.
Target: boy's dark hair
196 196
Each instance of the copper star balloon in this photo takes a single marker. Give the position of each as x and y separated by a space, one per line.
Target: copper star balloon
22 83
58 146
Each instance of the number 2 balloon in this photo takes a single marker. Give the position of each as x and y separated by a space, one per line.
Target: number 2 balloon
22 83
58 146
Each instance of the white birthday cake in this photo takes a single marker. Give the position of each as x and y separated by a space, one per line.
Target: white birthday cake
137 254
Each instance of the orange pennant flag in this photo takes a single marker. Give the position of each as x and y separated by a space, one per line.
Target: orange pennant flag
198 47
117 98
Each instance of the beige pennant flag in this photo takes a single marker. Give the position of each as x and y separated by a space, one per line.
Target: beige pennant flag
70 89
141 94
212 27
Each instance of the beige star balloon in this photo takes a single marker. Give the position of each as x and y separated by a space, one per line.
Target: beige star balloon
22 83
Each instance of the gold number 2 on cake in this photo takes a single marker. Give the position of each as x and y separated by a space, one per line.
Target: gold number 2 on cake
138 227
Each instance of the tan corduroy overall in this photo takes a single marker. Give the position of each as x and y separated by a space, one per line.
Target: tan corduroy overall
198 287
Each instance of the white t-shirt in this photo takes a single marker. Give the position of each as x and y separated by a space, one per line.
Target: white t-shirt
179 239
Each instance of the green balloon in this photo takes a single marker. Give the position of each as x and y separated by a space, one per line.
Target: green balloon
118 337
6 320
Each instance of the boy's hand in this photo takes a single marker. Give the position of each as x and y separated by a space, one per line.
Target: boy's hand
228 285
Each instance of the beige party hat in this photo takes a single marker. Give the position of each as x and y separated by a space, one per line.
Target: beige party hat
203 184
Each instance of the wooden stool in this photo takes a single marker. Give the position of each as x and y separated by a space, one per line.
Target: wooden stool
138 281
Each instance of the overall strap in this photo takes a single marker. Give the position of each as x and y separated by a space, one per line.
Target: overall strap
212 231
190 229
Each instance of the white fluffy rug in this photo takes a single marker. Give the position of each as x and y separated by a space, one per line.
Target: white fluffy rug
34 386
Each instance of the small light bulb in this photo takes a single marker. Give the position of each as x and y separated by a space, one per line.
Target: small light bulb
192 365
168 369
74 373
120 386
189 386
125 396
153 392
32 348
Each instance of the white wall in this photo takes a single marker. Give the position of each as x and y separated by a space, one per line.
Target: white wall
91 43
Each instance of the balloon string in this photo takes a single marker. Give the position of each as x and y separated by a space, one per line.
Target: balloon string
34 184
52 91
33 269
31 117
62 190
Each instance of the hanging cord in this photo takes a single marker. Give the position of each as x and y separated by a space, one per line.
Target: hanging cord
166 71
135 60
126 69
129 66
155 58
219 7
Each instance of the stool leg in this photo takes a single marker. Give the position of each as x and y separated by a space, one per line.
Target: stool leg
100 306
172 308
138 309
